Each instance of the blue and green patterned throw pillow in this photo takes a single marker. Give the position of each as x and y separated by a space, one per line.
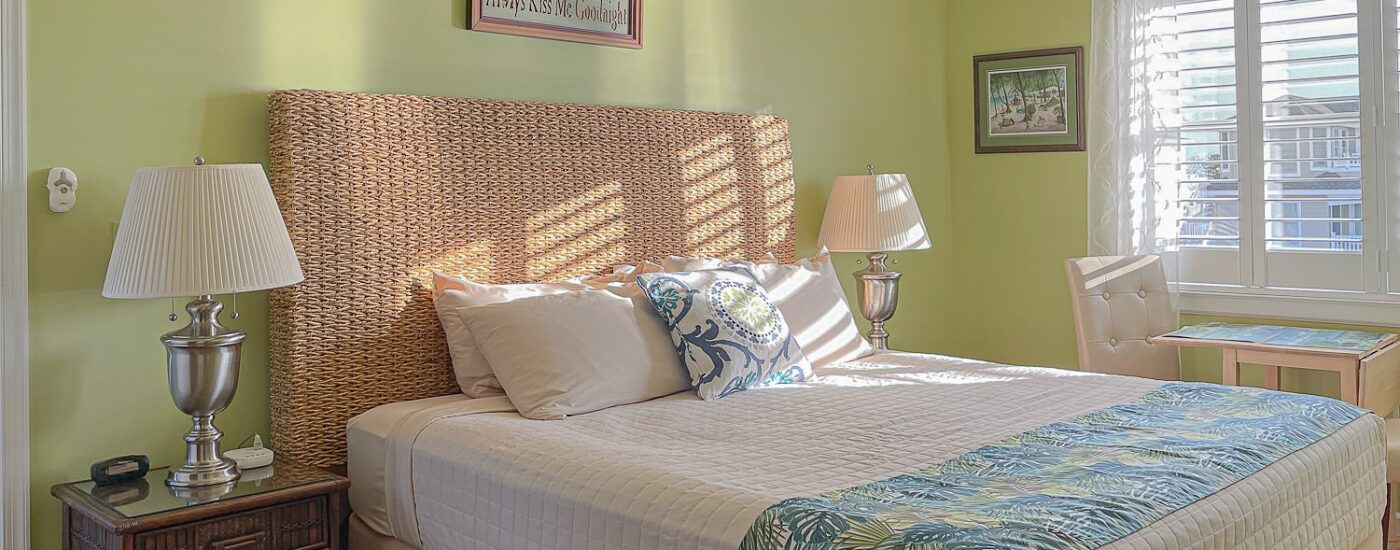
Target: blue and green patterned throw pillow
729 333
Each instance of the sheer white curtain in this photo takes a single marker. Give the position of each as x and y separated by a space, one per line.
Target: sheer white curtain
1133 202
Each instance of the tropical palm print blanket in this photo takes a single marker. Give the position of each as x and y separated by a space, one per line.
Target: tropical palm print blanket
1081 483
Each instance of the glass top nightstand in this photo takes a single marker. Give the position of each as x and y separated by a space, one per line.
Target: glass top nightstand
288 506
150 495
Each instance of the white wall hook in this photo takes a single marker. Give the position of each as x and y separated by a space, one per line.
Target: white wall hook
63 189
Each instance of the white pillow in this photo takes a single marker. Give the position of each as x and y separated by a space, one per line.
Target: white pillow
685 263
473 372
576 352
809 295
622 274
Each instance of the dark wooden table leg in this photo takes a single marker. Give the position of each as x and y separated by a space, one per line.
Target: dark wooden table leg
67 529
340 521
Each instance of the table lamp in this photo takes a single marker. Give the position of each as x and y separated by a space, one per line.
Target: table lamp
199 231
875 214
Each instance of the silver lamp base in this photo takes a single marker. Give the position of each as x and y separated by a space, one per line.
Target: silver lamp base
203 371
204 464
879 294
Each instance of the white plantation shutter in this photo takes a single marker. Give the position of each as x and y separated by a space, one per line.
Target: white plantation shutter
1198 115
1260 141
1263 114
1388 194
1308 59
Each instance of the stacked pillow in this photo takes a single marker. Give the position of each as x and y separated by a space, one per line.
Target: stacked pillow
809 295
727 330
621 275
575 352
450 293
645 331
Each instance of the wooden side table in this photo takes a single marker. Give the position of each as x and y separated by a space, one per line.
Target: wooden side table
1369 378
286 506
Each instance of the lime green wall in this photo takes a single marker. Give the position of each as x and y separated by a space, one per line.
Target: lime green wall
118 85
1016 217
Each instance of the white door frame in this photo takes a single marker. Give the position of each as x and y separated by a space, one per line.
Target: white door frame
14 283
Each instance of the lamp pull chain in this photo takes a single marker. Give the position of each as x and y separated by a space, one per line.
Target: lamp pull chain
870 168
234 315
173 316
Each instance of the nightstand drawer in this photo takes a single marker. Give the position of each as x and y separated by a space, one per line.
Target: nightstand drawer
246 531
301 525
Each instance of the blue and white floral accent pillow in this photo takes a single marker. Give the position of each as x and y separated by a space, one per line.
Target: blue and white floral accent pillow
729 333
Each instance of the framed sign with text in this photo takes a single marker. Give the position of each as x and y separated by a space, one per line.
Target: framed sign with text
607 22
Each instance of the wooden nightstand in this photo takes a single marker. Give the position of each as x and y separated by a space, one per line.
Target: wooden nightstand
283 507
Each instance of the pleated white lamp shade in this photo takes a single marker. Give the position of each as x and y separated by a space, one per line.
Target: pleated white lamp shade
873 213
194 230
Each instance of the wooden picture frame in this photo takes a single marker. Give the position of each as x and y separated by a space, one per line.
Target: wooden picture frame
588 21
1029 101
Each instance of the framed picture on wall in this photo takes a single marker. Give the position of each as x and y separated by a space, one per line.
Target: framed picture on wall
1031 101
606 22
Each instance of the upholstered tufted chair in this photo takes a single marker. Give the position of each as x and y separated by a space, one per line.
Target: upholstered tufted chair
1120 301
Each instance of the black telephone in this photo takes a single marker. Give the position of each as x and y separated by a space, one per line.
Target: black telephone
120 469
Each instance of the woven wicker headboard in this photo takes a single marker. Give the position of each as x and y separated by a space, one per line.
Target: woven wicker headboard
378 191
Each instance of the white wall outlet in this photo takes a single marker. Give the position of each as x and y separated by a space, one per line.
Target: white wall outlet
63 189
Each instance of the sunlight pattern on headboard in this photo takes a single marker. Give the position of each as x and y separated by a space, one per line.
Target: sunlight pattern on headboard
378 191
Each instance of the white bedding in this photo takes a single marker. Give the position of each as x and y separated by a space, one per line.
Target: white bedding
678 472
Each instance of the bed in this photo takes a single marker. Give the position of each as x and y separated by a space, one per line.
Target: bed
380 190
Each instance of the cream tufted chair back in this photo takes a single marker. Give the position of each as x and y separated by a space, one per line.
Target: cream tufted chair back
1120 301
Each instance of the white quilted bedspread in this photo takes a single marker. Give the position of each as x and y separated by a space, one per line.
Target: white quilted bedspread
678 472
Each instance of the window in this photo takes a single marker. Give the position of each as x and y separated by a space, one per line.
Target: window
1272 133
1346 230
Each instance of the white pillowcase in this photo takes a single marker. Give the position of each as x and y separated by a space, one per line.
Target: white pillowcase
622 274
809 295
684 263
576 352
450 293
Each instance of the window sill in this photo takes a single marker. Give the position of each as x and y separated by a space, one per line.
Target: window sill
1300 305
